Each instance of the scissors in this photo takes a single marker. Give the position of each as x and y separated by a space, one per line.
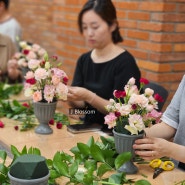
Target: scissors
161 166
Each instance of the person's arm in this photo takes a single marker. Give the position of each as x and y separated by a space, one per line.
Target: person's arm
79 95
161 130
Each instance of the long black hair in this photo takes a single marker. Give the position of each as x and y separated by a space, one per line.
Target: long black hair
107 11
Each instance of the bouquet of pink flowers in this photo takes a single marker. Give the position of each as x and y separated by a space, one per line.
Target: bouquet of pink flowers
130 111
28 51
44 82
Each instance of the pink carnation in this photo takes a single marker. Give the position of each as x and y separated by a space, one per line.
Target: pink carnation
110 120
40 74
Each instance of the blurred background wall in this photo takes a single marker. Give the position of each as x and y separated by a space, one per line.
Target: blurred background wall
153 31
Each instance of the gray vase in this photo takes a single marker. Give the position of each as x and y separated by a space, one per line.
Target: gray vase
44 112
39 181
124 143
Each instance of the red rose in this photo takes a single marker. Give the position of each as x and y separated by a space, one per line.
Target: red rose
26 105
26 51
16 127
55 57
31 81
144 81
1 124
65 80
59 125
117 114
42 63
119 94
51 122
158 98
134 106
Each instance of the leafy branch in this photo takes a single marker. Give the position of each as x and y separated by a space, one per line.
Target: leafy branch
7 90
23 112
88 164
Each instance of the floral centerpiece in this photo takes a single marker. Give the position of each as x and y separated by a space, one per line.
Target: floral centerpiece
45 83
131 111
27 52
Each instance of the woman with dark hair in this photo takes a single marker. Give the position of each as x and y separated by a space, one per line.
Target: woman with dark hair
103 69
8 24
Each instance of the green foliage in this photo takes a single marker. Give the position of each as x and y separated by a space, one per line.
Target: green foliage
16 111
87 165
7 90
60 117
25 114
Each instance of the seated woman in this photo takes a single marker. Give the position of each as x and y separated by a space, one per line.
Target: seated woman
103 69
157 142
9 72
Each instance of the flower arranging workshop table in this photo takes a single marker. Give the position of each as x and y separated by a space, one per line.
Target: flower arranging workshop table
62 140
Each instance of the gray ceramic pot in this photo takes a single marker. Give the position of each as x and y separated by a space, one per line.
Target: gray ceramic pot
124 143
44 112
39 181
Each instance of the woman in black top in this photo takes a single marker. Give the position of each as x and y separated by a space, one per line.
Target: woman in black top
106 67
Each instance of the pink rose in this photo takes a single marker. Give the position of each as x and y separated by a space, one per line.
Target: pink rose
37 96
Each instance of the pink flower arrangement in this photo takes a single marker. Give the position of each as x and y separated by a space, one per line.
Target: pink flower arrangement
130 112
45 83
28 52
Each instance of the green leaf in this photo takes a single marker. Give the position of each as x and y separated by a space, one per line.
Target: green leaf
122 158
107 140
84 149
90 141
116 178
73 168
15 151
3 155
142 182
90 164
62 168
103 169
97 153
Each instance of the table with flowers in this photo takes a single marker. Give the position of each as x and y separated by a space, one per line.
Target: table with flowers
62 140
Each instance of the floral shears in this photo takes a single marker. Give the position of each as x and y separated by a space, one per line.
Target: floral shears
161 166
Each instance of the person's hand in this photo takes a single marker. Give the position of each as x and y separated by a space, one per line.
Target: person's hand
79 94
151 148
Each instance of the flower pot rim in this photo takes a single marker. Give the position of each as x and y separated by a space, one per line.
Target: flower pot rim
54 102
126 135
28 180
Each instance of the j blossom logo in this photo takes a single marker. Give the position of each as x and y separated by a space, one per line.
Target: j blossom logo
78 111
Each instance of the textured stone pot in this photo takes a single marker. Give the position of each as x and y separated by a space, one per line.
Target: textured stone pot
124 143
44 112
